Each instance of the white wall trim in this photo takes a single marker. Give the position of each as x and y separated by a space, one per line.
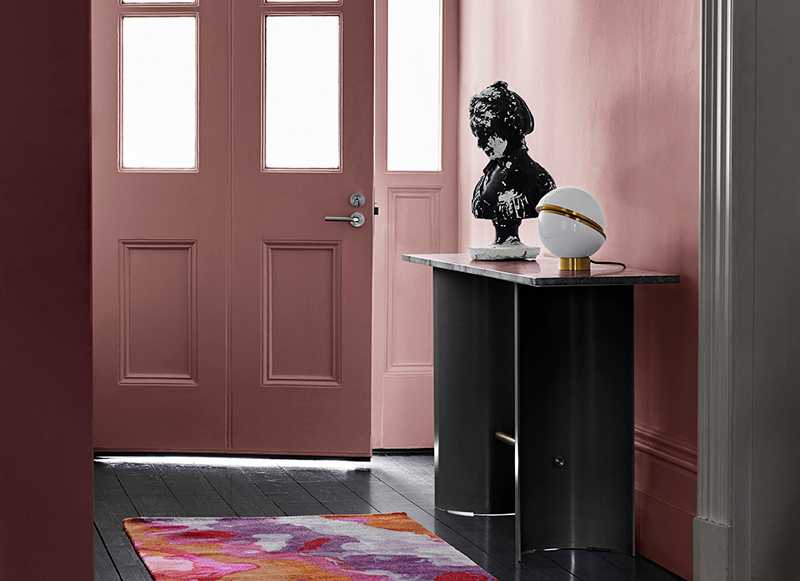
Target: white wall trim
711 551
714 362
726 291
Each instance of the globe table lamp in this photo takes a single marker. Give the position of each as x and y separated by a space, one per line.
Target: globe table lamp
571 226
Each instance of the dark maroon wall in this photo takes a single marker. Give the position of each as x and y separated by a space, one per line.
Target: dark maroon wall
45 308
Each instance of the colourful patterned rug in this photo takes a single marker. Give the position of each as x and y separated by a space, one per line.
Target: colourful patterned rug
368 547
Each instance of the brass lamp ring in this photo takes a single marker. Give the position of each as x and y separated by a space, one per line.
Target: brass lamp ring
572 215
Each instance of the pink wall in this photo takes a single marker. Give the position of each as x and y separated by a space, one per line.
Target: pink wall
45 326
614 87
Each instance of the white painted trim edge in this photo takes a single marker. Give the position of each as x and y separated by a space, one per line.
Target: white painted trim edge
711 551
712 529
715 312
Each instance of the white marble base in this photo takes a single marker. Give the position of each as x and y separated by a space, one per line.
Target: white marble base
504 252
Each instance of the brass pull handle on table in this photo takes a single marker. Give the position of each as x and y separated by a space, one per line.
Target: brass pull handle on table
503 437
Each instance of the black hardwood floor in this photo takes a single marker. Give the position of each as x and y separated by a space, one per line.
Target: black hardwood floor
201 486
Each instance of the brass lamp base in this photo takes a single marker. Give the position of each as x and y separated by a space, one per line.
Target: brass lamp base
574 263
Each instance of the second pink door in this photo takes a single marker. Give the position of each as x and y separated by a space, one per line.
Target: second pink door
301 313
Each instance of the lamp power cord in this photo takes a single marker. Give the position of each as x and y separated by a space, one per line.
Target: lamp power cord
622 264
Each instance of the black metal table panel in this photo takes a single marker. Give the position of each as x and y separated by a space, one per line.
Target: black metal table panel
552 366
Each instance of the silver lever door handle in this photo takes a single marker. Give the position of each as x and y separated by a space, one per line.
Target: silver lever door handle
356 219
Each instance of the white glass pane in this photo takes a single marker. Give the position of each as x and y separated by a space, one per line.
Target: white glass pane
302 92
414 86
159 92
159 1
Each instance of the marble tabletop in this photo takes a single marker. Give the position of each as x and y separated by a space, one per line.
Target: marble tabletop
541 272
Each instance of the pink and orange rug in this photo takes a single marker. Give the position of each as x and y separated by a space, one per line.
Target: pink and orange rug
369 547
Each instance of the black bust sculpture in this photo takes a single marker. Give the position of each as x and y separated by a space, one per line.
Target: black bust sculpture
512 183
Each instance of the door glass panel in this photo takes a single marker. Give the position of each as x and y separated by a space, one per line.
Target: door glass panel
414 85
302 92
159 92
192 2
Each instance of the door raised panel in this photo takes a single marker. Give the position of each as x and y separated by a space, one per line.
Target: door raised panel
414 220
301 308
158 312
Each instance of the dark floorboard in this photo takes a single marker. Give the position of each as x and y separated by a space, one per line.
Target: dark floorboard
104 569
147 491
142 486
194 492
288 495
243 496
111 506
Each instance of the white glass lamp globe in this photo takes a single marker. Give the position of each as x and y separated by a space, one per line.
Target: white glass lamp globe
571 226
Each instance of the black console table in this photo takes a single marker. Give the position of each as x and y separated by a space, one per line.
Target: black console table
533 397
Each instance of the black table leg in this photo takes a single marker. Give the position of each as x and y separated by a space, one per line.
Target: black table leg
473 394
575 418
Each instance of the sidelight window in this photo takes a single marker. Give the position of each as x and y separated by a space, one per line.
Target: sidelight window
414 112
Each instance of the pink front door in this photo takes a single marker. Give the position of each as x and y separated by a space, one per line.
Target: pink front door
228 315
301 310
